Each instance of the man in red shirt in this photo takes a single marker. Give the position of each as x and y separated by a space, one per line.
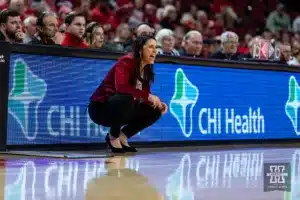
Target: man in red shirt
75 29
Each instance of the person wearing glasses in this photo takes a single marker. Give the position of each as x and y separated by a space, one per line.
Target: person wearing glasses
229 47
46 29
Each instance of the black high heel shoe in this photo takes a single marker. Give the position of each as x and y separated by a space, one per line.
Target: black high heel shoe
113 149
128 149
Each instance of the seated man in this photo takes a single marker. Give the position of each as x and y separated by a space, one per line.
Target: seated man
192 44
11 27
229 47
75 29
46 29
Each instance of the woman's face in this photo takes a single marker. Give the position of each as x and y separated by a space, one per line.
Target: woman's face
168 43
98 37
149 52
231 45
125 33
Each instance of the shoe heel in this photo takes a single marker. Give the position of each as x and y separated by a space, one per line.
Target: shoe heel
129 149
113 149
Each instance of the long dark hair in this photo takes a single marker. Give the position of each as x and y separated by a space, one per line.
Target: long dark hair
138 45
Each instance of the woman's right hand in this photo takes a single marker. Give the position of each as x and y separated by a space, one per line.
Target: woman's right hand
154 100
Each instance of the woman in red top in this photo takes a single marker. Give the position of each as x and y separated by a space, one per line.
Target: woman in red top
123 99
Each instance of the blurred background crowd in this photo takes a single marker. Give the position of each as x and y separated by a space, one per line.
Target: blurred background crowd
218 29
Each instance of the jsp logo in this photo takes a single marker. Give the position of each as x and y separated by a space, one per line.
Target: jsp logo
277 174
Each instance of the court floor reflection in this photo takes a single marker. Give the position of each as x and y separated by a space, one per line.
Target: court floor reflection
234 174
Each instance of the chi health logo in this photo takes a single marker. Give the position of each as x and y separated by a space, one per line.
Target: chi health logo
27 92
183 101
293 103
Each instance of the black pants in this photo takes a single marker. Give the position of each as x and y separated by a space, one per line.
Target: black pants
121 110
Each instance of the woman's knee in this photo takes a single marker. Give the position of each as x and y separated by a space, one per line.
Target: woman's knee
157 114
153 113
126 98
95 115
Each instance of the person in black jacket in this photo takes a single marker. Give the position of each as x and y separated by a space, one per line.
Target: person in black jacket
229 47
46 29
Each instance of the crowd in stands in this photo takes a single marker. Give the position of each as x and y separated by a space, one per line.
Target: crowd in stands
218 29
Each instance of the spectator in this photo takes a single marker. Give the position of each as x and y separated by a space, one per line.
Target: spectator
85 9
285 38
285 53
244 47
192 44
123 34
296 24
202 20
229 46
230 17
75 30
18 6
104 15
179 34
137 16
30 28
150 17
160 11
169 17
251 47
94 35
166 43
219 24
267 35
278 20
46 29
11 26
62 13
188 22
142 28
295 61
295 38
209 47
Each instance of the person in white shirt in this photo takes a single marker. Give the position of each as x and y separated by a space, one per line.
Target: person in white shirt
30 28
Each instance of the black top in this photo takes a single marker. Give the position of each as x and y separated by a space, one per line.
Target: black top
38 41
221 55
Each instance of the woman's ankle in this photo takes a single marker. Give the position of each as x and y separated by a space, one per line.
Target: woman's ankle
116 143
123 139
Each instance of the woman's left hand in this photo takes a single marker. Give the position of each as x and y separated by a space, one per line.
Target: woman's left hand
163 108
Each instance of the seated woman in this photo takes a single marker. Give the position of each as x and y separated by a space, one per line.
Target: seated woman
95 38
166 43
123 99
94 35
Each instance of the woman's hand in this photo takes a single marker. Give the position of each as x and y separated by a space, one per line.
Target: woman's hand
154 100
163 108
